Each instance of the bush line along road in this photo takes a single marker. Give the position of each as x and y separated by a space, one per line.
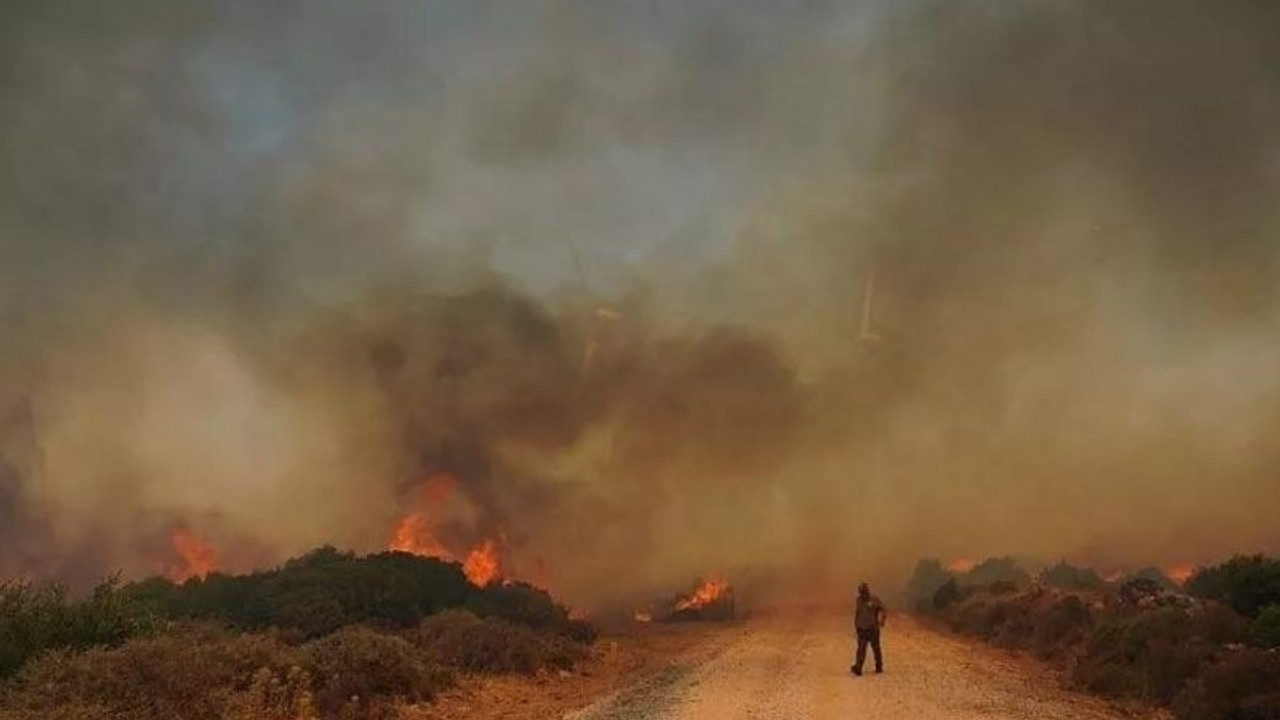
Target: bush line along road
331 635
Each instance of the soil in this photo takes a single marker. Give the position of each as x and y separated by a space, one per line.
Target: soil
782 667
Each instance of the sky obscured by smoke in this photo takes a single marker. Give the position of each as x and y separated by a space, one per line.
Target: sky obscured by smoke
264 269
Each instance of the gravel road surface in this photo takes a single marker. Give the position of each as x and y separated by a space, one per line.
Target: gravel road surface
799 668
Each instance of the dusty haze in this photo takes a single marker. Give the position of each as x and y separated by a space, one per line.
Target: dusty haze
264 270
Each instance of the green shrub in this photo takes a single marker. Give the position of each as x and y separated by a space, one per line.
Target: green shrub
36 618
360 673
1066 576
1155 575
1246 583
1264 631
996 570
1153 655
467 642
947 595
324 590
928 577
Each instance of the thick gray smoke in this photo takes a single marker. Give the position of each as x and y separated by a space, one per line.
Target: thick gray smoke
267 269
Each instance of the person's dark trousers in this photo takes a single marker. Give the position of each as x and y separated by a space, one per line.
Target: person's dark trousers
870 636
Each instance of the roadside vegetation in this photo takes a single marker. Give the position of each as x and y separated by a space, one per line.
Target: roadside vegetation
1209 650
327 635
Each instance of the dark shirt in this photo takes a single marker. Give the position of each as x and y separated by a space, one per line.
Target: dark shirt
867 612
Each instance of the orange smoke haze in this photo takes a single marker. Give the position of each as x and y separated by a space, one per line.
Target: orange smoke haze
625 322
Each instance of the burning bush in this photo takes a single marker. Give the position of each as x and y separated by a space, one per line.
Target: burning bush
334 602
325 590
467 642
711 599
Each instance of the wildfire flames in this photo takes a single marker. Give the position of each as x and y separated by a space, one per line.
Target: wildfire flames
961 565
195 558
710 592
1180 573
483 564
416 533
413 534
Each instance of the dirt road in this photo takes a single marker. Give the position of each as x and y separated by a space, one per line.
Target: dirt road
799 668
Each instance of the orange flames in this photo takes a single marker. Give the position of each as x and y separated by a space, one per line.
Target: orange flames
961 565
415 533
1180 573
710 592
483 564
195 557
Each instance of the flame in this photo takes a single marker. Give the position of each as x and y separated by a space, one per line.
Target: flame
710 592
1113 576
196 557
1180 573
416 532
483 564
642 616
961 565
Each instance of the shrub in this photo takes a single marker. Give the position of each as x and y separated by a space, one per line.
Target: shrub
1152 655
928 577
1243 685
467 642
1264 631
1155 575
947 595
190 674
271 697
1064 624
36 618
996 570
1065 576
359 673
324 590
1246 583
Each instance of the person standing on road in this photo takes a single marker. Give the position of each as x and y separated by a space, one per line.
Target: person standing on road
868 617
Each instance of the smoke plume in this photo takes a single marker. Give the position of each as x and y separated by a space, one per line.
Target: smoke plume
789 291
